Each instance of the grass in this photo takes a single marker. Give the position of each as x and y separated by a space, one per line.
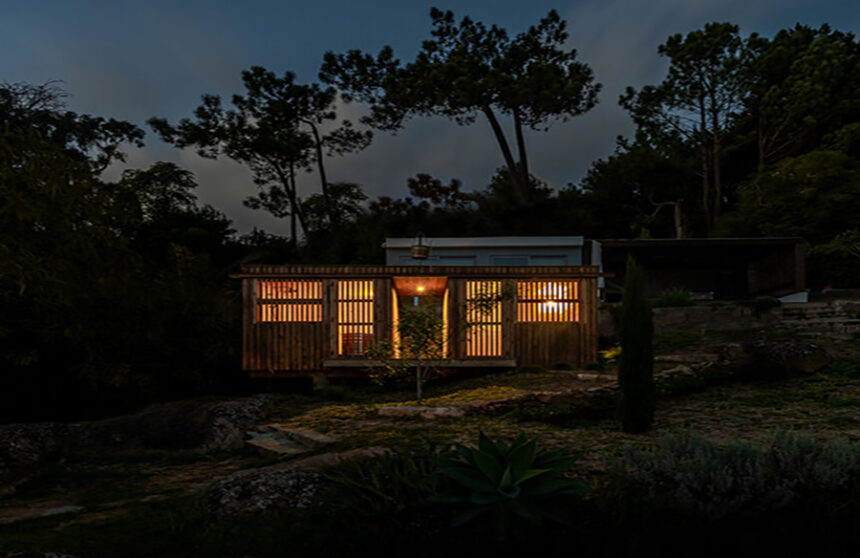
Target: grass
116 490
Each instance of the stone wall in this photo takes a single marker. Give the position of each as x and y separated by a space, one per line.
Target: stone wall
840 317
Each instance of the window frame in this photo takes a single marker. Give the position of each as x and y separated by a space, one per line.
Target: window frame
545 301
274 303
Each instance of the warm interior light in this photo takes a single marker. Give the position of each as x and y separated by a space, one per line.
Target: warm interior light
420 288
548 301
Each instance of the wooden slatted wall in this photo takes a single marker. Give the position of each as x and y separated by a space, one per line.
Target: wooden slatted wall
272 346
301 346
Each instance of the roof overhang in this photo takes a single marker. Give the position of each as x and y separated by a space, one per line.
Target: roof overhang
470 242
384 271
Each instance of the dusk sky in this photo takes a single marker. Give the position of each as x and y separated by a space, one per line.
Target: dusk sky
135 60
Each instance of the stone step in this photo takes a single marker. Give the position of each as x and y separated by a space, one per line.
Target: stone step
421 411
812 315
821 310
303 436
269 444
821 322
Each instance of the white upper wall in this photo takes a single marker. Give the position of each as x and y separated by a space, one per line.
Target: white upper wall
488 250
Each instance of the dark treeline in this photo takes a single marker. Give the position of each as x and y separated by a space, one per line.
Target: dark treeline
114 293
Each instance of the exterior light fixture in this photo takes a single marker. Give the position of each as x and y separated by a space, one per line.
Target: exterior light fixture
420 251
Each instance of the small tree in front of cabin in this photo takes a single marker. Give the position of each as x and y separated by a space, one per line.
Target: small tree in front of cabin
636 364
419 346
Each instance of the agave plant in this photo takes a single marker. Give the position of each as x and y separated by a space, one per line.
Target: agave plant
508 486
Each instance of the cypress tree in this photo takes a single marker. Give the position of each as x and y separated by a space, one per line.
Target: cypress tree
636 364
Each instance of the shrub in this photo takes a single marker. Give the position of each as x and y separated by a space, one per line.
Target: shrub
688 473
678 296
379 502
507 487
561 366
689 476
636 363
382 485
843 368
801 463
531 369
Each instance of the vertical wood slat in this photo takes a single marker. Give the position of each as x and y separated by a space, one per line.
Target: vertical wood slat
509 310
459 317
382 309
331 311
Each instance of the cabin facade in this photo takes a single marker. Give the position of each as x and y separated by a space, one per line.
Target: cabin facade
319 320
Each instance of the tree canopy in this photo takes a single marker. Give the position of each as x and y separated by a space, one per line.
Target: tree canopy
264 131
468 69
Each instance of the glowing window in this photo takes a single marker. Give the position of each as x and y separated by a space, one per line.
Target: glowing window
289 301
483 318
354 317
548 301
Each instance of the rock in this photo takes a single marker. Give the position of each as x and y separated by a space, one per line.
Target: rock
304 436
423 412
291 485
679 370
61 510
588 376
268 444
184 425
776 357
24 448
263 490
229 420
687 358
280 440
729 352
321 460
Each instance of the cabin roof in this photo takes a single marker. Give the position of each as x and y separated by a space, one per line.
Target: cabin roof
303 270
488 242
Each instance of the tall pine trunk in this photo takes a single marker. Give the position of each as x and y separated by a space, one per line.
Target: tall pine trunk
521 188
521 147
329 203
703 149
718 179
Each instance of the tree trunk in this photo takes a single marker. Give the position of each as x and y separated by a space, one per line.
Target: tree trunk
718 181
761 145
293 212
703 148
332 214
521 146
296 215
296 201
520 188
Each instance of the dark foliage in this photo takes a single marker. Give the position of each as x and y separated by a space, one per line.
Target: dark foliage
113 293
637 396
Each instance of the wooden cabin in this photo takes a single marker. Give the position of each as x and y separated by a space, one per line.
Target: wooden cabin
312 320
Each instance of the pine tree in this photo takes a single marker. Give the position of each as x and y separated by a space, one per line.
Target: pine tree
636 365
